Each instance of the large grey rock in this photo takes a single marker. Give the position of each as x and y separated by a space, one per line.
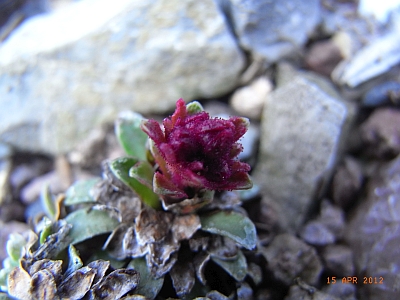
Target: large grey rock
273 29
301 136
63 73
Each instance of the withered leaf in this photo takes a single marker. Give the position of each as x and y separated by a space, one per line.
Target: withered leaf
114 242
101 267
159 253
130 245
116 284
55 242
43 286
152 226
183 277
76 285
200 261
223 247
19 282
183 227
53 266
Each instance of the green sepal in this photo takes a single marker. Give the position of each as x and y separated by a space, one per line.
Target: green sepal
130 136
233 225
120 167
194 107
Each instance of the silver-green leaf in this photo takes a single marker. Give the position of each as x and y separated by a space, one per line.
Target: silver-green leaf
89 223
80 192
149 286
233 225
131 138
237 267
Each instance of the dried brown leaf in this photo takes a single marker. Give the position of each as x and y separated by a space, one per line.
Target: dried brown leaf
116 284
19 282
200 262
43 286
53 266
101 267
76 285
183 277
152 226
183 227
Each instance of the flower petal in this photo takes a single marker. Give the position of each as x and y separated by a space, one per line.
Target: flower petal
153 130
241 126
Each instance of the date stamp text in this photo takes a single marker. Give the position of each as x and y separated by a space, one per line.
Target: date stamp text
355 280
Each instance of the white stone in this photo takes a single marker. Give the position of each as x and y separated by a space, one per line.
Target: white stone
249 100
64 73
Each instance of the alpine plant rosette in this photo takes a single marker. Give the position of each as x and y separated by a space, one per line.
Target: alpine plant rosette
169 208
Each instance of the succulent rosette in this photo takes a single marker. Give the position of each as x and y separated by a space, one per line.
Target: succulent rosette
196 153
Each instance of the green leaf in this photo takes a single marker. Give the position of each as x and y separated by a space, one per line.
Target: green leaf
143 172
89 223
149 286
233 225
46 231
131 138
121 169
74 261
237 267
48 203
15 245
80 192
194 107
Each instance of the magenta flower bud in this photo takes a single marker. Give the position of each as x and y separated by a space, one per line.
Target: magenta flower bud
195 152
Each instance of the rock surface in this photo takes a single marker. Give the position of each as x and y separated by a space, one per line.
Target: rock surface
301 133
289 258
273 29
59 78
380 133
374 236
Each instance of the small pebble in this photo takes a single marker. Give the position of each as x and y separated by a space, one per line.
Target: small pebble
387 93
249 100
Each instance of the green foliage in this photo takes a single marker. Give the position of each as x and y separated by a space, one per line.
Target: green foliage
149 286
89 223
233 225
131 138
236 267
15 251
80 192
121 168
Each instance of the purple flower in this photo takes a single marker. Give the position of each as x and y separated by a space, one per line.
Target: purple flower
195 152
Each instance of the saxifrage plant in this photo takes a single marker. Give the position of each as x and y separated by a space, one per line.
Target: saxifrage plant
160 216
